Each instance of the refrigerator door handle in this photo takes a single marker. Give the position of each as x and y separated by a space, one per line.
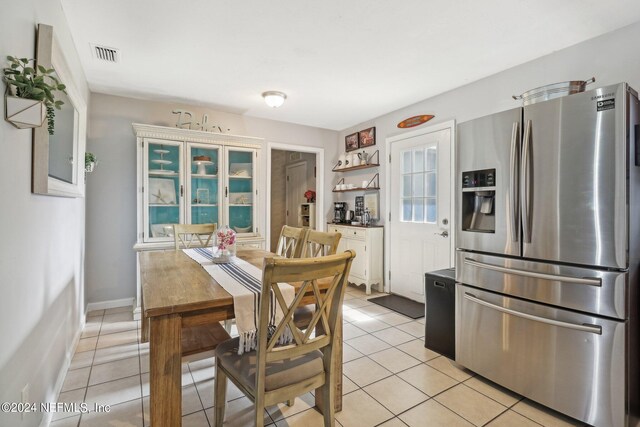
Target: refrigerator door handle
545 276
525 191
515 218
594 329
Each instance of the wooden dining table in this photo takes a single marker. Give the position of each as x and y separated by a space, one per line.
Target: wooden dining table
178 293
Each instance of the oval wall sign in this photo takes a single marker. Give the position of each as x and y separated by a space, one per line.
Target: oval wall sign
415 121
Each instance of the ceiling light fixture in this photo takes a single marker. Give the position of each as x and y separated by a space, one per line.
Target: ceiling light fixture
273 98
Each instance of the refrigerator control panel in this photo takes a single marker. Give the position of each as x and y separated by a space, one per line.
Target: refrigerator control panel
479 178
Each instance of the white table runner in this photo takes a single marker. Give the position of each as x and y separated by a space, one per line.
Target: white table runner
244 282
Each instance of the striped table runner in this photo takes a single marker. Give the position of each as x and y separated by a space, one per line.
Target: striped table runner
244 282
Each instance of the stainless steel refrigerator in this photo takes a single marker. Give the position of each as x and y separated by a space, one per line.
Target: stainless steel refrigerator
548 250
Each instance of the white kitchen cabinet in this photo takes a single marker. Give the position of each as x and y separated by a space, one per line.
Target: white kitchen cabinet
367 242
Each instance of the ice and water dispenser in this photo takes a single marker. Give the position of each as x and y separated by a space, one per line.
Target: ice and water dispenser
478 196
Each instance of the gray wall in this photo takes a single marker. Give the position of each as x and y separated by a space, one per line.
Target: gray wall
611 58
42 257
111 188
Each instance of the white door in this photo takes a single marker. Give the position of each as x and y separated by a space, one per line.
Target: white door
296 186
420 201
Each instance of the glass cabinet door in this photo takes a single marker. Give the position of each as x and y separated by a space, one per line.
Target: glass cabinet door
241 189
162 185
203 184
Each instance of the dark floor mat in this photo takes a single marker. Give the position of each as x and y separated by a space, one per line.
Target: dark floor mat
401 305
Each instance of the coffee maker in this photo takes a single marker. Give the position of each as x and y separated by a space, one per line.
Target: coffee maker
339 212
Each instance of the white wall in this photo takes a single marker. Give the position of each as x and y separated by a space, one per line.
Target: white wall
611 58
42 249
111 188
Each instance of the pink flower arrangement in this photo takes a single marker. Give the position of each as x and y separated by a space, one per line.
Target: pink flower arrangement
226 237
310 195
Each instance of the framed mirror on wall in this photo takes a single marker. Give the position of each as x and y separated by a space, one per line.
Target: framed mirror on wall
58 159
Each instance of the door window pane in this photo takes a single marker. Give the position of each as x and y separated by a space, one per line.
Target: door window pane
419 184
432 157
430 184
418 210
406 209
406 162
431 210
406 185
418 160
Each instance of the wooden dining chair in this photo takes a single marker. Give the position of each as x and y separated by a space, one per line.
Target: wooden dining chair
315 243
290 242
277 373
201 338
193 235
319 243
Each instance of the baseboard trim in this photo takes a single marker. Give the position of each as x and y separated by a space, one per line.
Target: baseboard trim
92 306
46 419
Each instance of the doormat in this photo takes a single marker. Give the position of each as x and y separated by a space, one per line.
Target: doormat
402 305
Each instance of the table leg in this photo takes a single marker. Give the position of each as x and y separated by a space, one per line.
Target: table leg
165 371
337 369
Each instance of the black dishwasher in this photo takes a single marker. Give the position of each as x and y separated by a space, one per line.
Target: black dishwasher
440 324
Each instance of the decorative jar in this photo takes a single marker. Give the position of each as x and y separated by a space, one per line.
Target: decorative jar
224 245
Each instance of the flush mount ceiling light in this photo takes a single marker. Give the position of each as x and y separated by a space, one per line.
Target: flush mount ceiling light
273 98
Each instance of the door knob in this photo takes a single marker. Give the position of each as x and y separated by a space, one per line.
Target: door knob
445 233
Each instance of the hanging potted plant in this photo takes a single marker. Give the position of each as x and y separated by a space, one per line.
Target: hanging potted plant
29 97
90 161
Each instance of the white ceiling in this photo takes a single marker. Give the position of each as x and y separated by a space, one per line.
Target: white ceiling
340 62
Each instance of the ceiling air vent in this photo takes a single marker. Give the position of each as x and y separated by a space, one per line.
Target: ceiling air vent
104 53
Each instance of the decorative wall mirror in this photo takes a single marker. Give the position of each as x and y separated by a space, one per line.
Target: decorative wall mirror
58 159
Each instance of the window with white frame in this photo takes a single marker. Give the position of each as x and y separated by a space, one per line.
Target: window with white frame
419 184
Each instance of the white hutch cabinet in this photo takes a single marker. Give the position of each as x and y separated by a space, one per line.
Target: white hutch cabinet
195 177
367 242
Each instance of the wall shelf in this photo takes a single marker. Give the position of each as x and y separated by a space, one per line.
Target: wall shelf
375 154
373 185
357 189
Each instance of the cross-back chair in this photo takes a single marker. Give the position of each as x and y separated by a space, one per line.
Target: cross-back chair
193 235
201 338
319 243
277 373
290 242
316 243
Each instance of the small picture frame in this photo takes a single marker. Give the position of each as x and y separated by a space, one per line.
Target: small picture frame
367 137
351 142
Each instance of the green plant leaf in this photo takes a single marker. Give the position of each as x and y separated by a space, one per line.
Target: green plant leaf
24 60
42 69
11 58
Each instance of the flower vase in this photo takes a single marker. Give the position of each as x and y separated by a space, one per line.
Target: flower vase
224 245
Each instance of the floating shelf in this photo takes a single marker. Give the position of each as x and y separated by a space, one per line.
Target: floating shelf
373 184
357 189
375 154
355 168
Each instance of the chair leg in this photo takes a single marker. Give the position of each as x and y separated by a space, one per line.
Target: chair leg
220 387
328 395
290 402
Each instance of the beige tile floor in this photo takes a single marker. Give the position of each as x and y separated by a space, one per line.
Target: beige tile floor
390 379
